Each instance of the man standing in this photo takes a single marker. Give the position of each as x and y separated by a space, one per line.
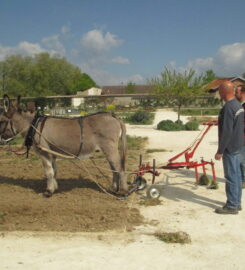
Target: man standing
231 140
240 95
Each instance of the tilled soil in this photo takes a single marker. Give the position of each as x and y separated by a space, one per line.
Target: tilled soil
78 205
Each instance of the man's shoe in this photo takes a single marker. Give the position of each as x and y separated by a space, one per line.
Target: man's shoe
239 208
226 210
243 184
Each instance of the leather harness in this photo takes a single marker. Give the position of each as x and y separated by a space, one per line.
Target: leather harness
40 118
32 130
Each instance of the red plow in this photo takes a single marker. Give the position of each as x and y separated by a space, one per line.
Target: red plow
172 164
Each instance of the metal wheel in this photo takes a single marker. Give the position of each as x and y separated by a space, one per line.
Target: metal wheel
153 192
140 182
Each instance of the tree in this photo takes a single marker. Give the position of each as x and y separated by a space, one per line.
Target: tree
41 75
130 89
84 82
209 76
177 88
14 73
53 76
3 75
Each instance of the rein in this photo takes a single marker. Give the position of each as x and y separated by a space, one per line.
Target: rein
32 130
28 142
9 122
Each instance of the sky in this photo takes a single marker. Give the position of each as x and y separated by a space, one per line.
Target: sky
122 41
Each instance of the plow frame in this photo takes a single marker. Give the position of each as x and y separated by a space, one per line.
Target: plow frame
188 153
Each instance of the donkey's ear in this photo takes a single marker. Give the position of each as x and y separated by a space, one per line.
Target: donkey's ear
31 106
6 103
16 103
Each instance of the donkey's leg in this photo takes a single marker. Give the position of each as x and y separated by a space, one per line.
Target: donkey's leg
52 185
112 155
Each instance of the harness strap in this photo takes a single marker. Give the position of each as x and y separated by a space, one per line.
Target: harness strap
80 120
32 131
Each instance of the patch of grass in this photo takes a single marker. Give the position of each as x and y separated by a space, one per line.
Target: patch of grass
136 146
34 158
174 237
213 185
17 141
132 157
156 150
203 180
136 143
7 153
150 202
212 111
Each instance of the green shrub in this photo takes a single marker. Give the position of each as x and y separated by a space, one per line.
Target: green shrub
140 117
110 108
192 125
83 113
179 122
169 125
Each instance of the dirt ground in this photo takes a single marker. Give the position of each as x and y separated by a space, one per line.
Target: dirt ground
217 241
79 205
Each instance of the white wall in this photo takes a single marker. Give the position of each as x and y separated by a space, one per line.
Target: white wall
77 102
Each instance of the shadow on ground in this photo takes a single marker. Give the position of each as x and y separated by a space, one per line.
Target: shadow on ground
175 189
39 185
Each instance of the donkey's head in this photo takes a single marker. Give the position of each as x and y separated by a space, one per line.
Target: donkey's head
7 129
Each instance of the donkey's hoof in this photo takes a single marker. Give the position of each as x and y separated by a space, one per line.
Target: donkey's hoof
122 193
47 194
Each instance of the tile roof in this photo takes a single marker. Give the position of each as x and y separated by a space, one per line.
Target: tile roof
214 85
122 89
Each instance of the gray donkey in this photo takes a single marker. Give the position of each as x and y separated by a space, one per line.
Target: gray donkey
78 137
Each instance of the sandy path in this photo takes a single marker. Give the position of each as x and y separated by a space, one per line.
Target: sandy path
217 241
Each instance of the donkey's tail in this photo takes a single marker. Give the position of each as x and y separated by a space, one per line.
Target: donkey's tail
123 144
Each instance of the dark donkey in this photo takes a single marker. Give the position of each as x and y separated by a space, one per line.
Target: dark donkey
77 137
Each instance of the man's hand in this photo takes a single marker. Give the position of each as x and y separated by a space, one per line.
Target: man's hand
218 156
